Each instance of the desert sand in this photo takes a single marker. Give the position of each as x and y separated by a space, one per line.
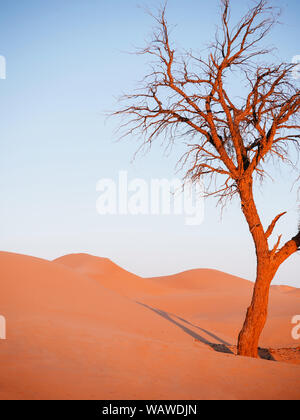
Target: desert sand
81 327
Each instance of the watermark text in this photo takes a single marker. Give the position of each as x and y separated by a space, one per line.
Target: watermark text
155 197
296 69
2 328
296 329
2 67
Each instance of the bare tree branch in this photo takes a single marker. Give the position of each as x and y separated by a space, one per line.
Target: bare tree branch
273 224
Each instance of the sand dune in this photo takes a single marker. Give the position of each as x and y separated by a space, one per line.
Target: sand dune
218 302
204 279
110 275
287 289
83 328
212 299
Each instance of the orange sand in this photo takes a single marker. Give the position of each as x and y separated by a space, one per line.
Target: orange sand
81 327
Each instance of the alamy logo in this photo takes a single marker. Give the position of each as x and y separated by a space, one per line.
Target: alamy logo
2 67
296 69
296 329
2 327
154 197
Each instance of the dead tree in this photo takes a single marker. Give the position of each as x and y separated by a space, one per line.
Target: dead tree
231 139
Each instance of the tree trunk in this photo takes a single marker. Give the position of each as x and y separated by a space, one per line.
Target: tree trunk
258 310
268 263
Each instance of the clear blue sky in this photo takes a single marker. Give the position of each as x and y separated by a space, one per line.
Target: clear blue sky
65 66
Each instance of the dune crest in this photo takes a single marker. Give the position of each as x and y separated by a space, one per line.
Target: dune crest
204 278
110 275
286 289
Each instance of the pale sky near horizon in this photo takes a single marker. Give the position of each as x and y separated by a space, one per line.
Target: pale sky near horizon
66 64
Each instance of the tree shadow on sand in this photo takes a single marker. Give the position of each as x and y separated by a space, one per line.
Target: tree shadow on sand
220 347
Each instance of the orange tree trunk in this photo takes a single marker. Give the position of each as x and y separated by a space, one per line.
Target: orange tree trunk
258 310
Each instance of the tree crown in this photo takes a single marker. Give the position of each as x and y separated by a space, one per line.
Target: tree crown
187 95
